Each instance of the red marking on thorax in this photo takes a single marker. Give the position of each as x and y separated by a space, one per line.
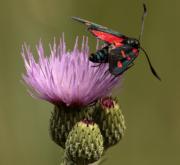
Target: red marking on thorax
108 37
135 50
119 64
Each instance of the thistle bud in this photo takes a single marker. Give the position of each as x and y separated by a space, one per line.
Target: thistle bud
84 144
110 120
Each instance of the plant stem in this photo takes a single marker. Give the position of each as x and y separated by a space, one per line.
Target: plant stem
69 162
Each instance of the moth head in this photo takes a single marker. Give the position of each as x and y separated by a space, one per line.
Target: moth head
133 42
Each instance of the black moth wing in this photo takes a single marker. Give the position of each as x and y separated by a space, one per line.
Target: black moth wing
118 63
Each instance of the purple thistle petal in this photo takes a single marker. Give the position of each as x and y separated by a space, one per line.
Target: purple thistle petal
66 77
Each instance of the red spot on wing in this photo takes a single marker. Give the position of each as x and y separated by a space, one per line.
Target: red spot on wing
128 58
118 44
119 64
108 37
135 51
123 54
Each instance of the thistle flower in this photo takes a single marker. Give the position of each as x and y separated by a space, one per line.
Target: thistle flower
68 80
66 76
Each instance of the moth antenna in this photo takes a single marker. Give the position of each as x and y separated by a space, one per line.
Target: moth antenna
142 20
150 65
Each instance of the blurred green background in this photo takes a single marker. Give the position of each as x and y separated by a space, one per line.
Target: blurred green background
151 108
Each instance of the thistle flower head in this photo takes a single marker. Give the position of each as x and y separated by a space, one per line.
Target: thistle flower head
66 76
